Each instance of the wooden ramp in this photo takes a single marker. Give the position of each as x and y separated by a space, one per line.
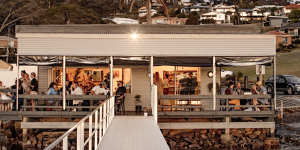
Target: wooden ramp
133 133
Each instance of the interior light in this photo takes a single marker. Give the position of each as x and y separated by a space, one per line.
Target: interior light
134 36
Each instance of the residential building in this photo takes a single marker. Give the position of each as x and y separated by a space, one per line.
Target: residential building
288 8
224 8
292 29
278 21
195 8
143 12
218 17
282 39
170 20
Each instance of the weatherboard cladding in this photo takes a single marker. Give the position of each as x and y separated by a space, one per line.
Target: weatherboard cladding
40 41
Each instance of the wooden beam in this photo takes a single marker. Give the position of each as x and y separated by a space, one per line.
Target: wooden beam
217 114
189 97
51 125
216 125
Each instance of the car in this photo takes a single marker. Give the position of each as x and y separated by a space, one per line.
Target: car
288 84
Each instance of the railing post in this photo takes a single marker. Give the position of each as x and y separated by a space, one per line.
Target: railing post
154 92
96 130
80 136
100 124
104 119
90 131
214 83
65 143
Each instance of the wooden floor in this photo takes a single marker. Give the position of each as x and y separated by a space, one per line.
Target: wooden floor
133 133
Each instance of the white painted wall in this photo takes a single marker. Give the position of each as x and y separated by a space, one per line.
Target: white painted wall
8 77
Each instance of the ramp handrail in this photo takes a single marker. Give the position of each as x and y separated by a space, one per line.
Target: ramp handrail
105 113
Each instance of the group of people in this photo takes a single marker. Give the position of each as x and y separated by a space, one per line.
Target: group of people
236 89
101 88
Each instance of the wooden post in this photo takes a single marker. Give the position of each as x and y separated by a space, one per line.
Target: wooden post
64 83
25 131
274 84
111 76
227 129
17 86
214 83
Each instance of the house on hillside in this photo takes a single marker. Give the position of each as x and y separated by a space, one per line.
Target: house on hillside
219 17
278 21
7 46
282 39
195 8
267 10
170 20
288 8
143 12
224 8
292 29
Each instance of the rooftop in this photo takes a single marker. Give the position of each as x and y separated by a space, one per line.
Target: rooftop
142 29
292 6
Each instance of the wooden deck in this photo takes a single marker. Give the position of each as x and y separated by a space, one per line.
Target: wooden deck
133 133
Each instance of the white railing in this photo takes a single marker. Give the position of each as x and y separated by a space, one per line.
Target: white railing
98 122
154 102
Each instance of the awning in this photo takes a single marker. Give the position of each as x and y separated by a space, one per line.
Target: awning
244 61
5 66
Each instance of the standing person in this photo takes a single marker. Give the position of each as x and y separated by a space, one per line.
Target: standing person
166 85
33 87
76 90
120 97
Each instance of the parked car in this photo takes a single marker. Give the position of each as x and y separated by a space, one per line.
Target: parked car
284 83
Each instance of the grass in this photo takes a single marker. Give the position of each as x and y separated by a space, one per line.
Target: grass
287 63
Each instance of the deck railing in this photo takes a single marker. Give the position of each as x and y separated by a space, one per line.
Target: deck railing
54 102
98 122
201 102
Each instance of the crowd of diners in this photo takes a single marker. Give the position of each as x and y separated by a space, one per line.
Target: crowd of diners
29 85
236 89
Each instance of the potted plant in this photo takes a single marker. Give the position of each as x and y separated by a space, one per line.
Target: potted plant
138 103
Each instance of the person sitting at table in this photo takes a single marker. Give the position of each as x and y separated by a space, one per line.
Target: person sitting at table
98 90
76 90
230 91
262 91
52 90
120 97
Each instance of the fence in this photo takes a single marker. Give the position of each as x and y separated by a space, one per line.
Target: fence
205 102
98 122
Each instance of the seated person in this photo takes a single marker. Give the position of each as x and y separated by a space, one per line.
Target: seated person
120 96
76 90
254 100
230 91
262 91
98 90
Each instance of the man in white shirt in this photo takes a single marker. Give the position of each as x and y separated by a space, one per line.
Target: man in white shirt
76 90
99 90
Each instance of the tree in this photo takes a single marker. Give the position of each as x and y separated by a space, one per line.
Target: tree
295 16
193 19
14 11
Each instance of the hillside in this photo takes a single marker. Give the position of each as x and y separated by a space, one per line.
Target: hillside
287 63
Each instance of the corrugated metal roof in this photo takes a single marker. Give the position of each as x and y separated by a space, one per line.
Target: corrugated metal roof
143 29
